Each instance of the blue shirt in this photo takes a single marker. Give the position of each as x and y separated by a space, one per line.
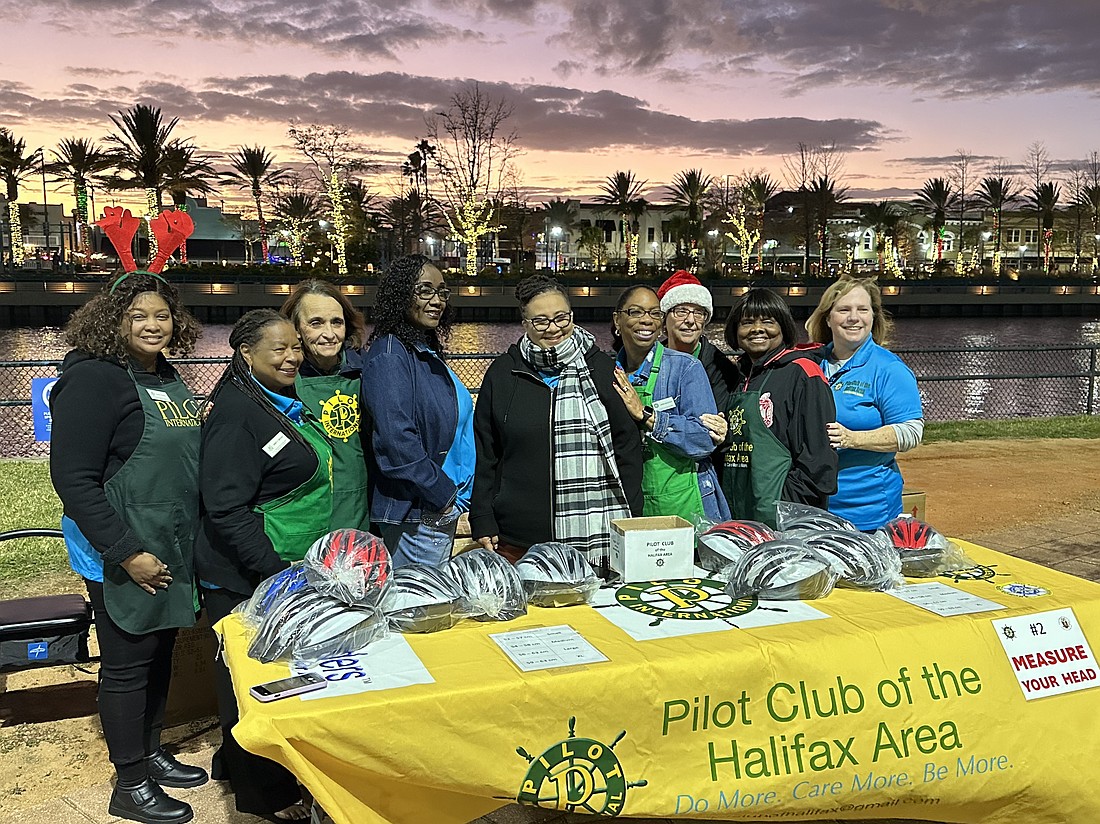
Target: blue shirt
460 460
873 389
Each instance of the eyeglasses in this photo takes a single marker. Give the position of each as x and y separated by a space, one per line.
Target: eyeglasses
634 313
425 291
541 324
681 312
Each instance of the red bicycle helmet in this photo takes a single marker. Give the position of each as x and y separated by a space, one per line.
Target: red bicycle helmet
349 564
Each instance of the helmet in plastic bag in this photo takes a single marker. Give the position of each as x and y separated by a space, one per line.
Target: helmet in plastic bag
309 626
727 541
923 550
491 585
271 592
349 564
785 569
556 575
800 518
423 598
864 561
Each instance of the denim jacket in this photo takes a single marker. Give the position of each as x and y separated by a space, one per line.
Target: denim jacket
683 379
414 412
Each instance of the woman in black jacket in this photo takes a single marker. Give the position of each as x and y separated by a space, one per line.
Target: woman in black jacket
558 455
266 482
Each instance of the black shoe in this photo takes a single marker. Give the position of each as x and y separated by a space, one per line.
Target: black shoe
168 772
148 803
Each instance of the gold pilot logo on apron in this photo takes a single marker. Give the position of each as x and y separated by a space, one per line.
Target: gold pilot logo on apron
736 420
340 415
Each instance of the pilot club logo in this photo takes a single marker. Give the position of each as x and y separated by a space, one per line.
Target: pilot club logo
736 421
978 572
576 775
685 599
340 415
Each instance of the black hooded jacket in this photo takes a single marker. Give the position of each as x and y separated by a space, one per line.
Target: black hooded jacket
802 404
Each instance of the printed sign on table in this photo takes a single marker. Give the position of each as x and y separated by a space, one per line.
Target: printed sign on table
1048 652
943 599
547 648
385 665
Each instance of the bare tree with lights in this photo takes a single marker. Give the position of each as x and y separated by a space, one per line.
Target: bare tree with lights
961 176
474 152
333 159
1036 170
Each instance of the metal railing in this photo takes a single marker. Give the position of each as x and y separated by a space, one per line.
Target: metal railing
955 384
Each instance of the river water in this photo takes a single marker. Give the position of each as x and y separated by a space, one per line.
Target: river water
967 368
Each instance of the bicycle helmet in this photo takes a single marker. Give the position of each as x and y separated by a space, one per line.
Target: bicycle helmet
271 592
556 575
309 626
349 564
802 518
490 584
863 561
727 541
785 569
923 550
423 598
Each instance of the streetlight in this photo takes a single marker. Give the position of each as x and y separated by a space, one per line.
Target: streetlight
985 236
555 232
1020 259
772 244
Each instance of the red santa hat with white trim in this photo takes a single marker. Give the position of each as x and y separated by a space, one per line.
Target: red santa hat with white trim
684 287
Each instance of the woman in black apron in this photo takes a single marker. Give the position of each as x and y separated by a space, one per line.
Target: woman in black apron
330 385
124 461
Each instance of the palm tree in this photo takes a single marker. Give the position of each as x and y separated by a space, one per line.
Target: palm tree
185 172
689 191
996 194
300 211
251 169
1044 200
758 189
824 195
80 161
410 216
878 217
623 193
935 199
14 166
1090 199
559 216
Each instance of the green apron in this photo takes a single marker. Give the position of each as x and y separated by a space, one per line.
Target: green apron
757 463
295 520
670 481
334 400
156 492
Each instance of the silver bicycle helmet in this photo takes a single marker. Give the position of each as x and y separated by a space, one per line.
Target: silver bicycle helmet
423 598
802 518
785 569
490 584
556 575
864 561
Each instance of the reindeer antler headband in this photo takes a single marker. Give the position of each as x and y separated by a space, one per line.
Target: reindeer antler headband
170 228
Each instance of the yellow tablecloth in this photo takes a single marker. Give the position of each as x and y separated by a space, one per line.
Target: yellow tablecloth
628 737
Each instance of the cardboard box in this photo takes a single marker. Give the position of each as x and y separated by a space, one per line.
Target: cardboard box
191 694
652 549
913 503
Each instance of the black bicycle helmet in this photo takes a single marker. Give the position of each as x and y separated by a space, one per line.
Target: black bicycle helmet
556 575
490 584
725 542
423 598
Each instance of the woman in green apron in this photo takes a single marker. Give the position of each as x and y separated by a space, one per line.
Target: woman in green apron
124 461
668 394
330 385
266 482
778 412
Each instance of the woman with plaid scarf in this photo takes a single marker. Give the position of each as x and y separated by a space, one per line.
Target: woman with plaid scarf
558 455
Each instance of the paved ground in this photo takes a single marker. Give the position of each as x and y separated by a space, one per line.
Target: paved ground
1062 536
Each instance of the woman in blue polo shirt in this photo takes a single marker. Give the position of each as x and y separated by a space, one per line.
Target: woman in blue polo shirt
878 406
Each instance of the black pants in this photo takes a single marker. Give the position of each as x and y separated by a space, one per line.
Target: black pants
134 673
260 785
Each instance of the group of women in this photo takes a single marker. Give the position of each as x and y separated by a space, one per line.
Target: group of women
311 427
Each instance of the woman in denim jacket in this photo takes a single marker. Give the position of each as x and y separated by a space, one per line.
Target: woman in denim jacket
422 444
668 394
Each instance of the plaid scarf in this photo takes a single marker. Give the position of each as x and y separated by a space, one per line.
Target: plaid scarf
587 491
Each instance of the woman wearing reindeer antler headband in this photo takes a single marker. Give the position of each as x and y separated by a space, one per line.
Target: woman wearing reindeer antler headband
124 461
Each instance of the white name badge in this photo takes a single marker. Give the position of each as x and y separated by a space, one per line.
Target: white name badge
276 444
664 404
157 395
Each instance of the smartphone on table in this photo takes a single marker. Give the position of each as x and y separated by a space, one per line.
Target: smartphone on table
286 687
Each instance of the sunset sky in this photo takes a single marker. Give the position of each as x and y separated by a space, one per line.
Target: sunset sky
654 86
